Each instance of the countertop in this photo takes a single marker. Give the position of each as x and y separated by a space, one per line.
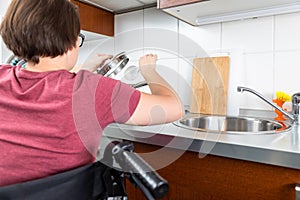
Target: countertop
281 149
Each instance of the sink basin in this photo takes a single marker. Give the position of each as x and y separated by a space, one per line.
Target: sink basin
233 125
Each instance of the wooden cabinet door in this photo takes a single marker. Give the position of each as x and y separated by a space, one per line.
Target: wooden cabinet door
95 19
219 178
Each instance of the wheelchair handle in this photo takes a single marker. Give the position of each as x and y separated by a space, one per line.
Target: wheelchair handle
138 168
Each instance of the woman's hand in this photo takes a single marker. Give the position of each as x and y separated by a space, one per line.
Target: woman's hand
95 62
147 62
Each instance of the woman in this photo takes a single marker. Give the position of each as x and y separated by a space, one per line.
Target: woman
52 119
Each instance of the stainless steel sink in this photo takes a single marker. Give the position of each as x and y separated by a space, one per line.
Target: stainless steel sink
233 125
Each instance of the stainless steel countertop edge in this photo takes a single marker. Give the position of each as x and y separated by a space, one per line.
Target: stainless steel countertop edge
280 149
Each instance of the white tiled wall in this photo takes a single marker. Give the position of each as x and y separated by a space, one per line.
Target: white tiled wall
252 36
287 31
264 51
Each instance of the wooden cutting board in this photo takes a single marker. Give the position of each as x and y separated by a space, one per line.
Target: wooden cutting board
209 92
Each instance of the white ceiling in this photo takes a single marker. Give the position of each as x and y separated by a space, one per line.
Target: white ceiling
119 6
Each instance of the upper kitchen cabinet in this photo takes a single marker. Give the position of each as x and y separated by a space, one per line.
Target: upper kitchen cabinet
162 4
95 19
200 12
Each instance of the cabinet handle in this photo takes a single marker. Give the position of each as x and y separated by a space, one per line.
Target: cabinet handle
297 192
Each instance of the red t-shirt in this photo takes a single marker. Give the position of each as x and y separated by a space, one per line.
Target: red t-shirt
52 121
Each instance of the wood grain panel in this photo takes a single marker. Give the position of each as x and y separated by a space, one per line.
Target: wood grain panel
210 85
162 4
95 19
214 177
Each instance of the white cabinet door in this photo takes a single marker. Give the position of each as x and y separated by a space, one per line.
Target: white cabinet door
215 11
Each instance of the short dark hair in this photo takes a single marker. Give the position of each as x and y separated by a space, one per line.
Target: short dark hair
40 28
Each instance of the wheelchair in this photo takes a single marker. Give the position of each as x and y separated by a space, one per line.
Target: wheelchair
96 181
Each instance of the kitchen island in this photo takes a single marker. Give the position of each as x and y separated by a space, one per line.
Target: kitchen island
201 165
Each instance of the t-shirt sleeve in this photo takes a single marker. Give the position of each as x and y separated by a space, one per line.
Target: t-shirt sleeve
115 101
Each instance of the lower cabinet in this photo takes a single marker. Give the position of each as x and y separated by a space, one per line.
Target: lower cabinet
213 177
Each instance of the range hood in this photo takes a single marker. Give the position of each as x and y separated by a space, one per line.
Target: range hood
214 11
122 6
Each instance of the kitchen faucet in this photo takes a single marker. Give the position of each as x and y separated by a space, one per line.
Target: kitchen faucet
295 101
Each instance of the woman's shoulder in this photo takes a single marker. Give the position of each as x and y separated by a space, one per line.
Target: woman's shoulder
5 66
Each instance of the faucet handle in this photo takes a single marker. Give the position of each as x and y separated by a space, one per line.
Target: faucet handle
296 98
296 106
